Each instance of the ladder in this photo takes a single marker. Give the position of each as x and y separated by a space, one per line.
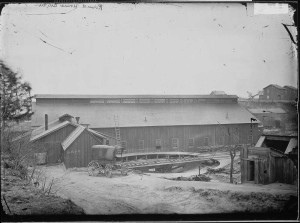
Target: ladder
117 130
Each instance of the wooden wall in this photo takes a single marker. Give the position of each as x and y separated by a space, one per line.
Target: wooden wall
269 166
51 144
214 133
79 153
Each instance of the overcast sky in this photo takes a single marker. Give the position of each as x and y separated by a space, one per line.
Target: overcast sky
147 48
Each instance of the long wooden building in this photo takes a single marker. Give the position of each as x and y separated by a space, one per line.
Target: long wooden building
156 122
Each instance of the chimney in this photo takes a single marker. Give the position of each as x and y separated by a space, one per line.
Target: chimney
46 122
77 119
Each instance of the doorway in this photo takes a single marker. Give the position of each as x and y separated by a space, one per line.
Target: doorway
250 175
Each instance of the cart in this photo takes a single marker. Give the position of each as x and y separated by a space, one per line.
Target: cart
104 162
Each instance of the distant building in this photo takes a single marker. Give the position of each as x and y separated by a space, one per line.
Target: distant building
274 92
218 93
147 123
271 117
291 93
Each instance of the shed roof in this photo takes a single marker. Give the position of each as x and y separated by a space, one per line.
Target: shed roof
71 138
101 135
74 96
218 93
267 110
291 87
292 144
139 115
275 85
35 135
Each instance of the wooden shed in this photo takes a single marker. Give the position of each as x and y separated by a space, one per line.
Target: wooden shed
262 165
77 147
49 141
56 137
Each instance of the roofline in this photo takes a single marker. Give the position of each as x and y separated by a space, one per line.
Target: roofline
66 142
75 96
49 131
141 126
277 86
291 87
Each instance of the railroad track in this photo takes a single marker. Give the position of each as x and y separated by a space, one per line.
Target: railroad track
161 162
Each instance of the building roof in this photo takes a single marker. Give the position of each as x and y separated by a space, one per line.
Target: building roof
71 138
267 110
218 93
275 85
291 87
292 144
54 127
73 96
138 115
98 134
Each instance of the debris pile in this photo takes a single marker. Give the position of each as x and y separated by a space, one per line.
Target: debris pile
200 177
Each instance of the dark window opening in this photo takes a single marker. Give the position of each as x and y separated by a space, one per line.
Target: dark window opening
191 142
250 175
158 144
206 141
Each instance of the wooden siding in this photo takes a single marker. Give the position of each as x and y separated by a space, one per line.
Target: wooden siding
273 93
79 153
214 133
268 166
51 144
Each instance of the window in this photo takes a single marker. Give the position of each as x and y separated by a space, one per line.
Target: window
99 101
112 101
187 100
158 100
236 137
128 100
158 143
144 100
107 142
191 142
124 144
141 144
174 101
175 143
206 141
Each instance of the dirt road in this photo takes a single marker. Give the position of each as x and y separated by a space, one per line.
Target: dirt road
152 194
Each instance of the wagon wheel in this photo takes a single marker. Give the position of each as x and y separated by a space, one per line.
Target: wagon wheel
93 168
108 170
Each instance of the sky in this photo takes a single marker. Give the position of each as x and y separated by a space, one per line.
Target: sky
175 48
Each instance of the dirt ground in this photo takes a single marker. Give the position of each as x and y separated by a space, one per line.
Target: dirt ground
153 194
20 198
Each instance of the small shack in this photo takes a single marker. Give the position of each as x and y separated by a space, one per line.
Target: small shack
48 142
51 141
262 165
77 147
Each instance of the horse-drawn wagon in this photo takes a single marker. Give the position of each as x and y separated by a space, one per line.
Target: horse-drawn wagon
104 161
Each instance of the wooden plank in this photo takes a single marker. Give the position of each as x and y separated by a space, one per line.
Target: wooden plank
256 171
